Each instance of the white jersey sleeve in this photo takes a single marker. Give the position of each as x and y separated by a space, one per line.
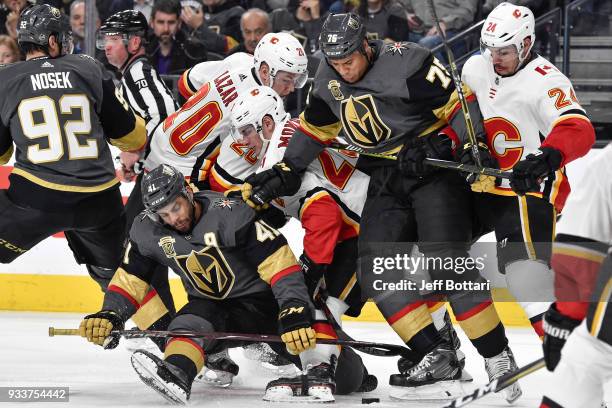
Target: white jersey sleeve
236 161
193 78
333 171
588 210
194 132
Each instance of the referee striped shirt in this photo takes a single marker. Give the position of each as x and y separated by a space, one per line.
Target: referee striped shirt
147 94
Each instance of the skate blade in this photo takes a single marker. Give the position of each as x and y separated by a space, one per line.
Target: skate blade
289 370
287 394
440 391
215 378
146 368
512 393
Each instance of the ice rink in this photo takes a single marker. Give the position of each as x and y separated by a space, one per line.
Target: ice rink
97 377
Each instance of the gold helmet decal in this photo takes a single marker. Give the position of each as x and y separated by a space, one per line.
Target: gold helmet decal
362 123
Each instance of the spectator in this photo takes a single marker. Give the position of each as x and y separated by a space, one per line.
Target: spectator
145 7
9 15
77 23
9 52
384 19
309 15
170 49
216 23
254 24
454 15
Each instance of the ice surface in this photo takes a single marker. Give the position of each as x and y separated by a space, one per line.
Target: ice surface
97 377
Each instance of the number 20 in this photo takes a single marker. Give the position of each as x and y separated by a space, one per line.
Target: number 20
50 128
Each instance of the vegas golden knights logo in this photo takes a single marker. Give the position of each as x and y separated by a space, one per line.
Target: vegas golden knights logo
361 121
167 245
334 88
208 272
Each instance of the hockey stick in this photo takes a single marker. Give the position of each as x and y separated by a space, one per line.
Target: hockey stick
377 349
319 302
459 87
497 384
445 164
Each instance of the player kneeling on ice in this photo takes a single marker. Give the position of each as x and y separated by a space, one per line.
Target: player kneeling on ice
239 274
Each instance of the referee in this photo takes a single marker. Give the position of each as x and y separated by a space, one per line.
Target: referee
122 37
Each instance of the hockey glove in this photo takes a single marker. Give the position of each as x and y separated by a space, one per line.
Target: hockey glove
261 188
528 174
411 159
557 328
479 182
97 328
313 274
294 323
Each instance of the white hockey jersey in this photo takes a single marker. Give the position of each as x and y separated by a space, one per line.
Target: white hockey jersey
588 211
333 172
520 111
192 79
196 130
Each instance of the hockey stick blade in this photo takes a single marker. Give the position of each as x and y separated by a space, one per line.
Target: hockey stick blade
377 349
445 164
497 384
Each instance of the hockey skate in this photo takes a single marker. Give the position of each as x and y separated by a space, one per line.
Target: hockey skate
317 385
168 380
438 376
501 364
219 370
270 360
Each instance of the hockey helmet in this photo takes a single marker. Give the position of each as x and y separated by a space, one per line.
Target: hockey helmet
161 186
341 35
282 52
124 23
508 25
38 22
251 107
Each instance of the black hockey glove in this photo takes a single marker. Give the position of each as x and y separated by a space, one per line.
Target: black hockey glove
557 328
479 182
97 328
294 326
527 175
414 152
313 274
281 180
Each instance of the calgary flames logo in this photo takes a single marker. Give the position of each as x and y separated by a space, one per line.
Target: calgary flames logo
208 272
361 121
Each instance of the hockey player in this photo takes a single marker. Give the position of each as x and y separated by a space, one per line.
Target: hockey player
534 126
582 360
239 274
123 37
384 97
197 129
60 111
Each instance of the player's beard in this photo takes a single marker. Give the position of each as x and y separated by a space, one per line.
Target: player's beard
187 224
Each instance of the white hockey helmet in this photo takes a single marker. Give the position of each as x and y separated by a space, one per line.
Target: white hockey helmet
282 52
508 25
251 107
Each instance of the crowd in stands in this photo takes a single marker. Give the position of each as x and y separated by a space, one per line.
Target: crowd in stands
185 32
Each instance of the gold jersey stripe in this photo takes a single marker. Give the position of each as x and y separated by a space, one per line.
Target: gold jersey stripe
576 251
444 112
569 116
481 323
149 313
600 311
323 133
135 140
132 284
412 323
7 155
280 260
185 347
525 227
64 187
